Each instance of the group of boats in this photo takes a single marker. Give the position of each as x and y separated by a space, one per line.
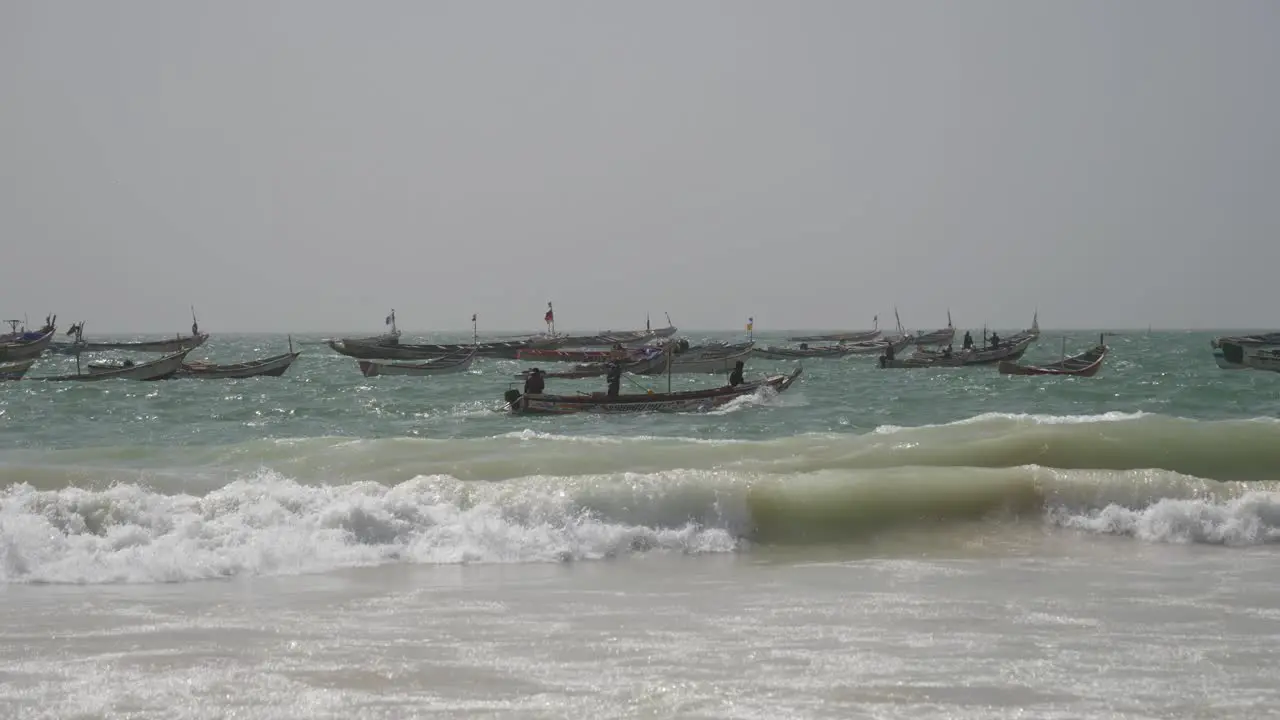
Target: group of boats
21 348
647 352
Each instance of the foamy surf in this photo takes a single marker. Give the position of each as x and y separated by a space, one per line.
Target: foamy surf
268 524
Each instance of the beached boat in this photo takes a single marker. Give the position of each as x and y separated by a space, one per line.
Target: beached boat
15 370
1247 352
438 366
685 401
158 369
1085 364
274 366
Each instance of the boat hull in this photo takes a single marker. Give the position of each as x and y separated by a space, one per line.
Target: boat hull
267 367
172 345
1249 352
691 401
158 369
17 351
1084 365
445 366
15 370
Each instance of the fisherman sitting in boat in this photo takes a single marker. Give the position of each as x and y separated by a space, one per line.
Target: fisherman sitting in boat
946 352
968 341
735 377
615 380
535 383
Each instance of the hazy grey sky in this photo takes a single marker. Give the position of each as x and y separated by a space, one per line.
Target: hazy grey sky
306 165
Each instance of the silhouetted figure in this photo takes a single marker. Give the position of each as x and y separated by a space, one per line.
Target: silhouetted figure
735 377
535 383
995 340
615 380
968 341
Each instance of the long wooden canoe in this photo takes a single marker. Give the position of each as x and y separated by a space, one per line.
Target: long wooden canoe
1085 364
686 401
440 366
158 369
273 366
15 370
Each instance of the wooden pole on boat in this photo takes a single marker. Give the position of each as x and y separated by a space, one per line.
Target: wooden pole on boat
290 336
475 331
670 352
1064 349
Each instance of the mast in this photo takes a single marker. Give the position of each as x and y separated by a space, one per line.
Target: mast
475 331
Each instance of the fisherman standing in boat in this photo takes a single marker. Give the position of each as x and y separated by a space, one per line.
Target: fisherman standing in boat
735 377
535 383
968 341
995 340
615 380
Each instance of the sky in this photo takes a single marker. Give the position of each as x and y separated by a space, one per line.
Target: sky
307 165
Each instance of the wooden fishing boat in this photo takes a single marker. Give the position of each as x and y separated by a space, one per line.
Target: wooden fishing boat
946 358
273 366
171 345
439 366
507 350
158 369
847 337
702 359
804 352
685 401
25 346
15 370
1247 352
1085 364
872 347
655 362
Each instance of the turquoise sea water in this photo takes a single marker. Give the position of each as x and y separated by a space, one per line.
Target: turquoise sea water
370 468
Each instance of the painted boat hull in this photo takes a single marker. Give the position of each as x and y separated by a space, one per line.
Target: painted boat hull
266 367
690 401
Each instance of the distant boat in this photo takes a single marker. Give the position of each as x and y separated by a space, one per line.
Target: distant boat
1085 364
439 366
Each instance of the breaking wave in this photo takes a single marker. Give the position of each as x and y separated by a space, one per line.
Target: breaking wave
277 507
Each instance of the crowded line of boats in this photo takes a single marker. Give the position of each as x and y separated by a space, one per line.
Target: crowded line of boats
611 354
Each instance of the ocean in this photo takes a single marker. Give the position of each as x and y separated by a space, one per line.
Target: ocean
870 544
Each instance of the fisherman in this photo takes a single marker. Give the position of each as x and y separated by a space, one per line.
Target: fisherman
735 377
995 340
946 352
615 380
535 383
968 341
